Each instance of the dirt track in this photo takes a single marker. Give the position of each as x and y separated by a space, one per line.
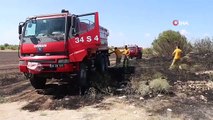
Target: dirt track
59 100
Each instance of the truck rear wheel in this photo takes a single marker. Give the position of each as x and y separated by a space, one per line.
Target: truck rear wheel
102 64
106 62
38 82
139 55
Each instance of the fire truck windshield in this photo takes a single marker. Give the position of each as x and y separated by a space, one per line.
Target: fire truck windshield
46 30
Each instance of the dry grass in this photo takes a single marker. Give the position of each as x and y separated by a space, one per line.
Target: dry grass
195 67
185 67
158 75
102 83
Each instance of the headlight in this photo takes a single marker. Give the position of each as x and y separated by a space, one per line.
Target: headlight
63 61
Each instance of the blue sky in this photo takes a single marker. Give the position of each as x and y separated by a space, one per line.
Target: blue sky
128 21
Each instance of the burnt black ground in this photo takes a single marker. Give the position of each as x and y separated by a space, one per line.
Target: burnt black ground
59 95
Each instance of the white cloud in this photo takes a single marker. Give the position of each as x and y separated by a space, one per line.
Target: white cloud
184 32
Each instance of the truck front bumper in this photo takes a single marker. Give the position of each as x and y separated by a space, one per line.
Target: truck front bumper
37 65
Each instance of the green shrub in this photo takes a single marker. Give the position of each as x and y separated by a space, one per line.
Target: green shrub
9 47
2 48
14 47
142 89
159 85
139 87
166 42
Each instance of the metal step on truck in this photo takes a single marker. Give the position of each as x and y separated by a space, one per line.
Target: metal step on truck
60 45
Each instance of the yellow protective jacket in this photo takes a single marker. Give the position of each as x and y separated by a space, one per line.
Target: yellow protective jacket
126 52
118 53
177 53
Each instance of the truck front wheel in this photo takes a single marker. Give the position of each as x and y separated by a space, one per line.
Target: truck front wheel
82 78
38 82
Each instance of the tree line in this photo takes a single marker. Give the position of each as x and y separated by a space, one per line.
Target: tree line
7 46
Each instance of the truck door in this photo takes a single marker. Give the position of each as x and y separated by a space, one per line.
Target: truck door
84 35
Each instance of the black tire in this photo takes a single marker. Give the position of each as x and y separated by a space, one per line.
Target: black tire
82 78
106 62
139 55
38 82
101 64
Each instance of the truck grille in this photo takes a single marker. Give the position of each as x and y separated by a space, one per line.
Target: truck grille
43 54
43 61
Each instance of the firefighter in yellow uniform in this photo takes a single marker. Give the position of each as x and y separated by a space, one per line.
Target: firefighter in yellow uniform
177 56
126 53
118 54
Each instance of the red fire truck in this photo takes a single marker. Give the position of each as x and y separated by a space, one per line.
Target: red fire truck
135 51
60 45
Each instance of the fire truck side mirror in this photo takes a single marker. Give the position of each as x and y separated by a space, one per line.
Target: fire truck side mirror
75 29
21 24
19 29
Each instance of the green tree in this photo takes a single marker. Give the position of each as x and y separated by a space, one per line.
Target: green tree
166 42
6 44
